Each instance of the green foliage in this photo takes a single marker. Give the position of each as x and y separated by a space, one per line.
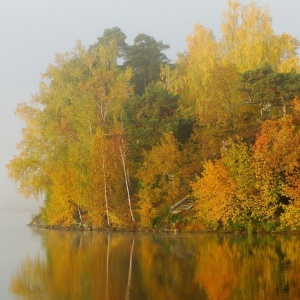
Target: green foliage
113 35
235 226
268 93
165 219
145 57
147 118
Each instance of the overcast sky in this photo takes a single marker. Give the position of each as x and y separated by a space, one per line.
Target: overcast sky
32 31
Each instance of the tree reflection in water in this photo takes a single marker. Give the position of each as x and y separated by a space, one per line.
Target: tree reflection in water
93 265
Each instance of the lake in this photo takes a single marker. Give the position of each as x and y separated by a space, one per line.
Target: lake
46 264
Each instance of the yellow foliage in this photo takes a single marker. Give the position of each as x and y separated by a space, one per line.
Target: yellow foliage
146 212
249 40
161 175
215 194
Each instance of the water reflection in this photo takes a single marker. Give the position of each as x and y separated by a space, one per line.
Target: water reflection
92 265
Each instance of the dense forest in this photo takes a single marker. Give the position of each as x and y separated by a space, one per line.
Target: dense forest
117 133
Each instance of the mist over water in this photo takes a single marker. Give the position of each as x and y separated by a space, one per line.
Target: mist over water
17 242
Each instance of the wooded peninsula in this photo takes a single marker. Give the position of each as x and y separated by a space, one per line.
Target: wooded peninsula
117 134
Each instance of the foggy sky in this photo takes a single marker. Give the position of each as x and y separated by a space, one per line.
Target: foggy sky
32 31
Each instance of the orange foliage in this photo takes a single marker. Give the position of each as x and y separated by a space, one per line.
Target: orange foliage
277 164
215 193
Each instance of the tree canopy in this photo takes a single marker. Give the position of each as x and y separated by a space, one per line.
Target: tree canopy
117 134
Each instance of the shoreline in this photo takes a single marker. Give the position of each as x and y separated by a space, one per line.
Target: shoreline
159 231
99 229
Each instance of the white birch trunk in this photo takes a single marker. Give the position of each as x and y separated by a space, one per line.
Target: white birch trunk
79 213
105 189
126 182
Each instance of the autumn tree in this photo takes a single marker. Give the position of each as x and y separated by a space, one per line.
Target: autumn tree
109 89
54 127
193 68
206 76
161 176
230 191
83 93
249 40
215 193
276 165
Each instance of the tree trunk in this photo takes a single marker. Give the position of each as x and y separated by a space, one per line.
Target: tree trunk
105 189
283 107
79 213
126 181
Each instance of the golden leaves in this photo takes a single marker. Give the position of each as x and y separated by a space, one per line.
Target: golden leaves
215 192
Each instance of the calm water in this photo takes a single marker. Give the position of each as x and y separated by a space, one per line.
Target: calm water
43 264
